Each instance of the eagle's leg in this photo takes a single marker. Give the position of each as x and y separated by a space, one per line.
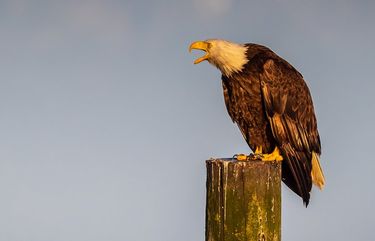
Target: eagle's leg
274 156
258 150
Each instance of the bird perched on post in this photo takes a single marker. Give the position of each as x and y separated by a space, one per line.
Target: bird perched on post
272 106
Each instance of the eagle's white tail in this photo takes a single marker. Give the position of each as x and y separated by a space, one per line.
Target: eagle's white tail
316 172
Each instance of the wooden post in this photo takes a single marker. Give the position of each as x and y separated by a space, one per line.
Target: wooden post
243 200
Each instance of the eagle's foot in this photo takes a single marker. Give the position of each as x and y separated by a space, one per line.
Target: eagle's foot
257 156
274 156
251 157
241 157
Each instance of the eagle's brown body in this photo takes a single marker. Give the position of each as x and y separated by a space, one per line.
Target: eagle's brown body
272 106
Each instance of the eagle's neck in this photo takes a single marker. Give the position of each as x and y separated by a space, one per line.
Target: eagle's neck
228 57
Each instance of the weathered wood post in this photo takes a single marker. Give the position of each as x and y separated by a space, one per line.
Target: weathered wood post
243 200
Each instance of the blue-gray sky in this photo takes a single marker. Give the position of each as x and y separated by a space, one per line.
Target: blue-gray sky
105 122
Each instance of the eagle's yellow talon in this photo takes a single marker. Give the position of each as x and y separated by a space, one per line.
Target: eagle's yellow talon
274 156
241 157
258 156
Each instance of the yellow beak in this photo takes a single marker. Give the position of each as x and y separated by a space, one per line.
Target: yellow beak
200 45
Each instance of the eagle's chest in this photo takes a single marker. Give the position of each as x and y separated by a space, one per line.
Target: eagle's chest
245 106
247 101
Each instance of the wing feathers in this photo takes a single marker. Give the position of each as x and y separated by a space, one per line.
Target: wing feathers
291 115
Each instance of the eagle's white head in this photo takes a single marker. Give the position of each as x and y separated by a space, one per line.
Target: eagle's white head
228 57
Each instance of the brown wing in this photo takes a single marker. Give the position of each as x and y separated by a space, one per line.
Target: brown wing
290 111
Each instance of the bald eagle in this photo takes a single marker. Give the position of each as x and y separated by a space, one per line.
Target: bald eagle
271 104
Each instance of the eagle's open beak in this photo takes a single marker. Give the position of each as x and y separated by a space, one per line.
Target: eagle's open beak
200 45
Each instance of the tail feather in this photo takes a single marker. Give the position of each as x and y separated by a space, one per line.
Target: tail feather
316 172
